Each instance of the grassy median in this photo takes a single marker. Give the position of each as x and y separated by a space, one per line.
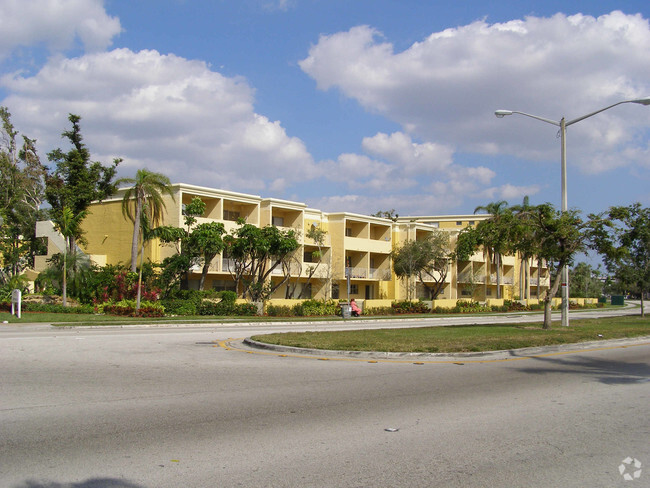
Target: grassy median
464 338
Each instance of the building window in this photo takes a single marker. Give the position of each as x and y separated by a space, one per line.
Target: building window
471 222
459 222
466 293
348 232
354 289
335 291
224 285
278 221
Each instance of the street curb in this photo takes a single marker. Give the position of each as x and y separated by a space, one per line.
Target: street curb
523 352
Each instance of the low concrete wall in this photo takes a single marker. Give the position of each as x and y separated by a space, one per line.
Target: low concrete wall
444 303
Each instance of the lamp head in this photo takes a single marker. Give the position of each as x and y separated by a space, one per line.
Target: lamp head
502 113
642 101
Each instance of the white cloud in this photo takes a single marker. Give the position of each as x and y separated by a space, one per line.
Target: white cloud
57 24
163 112
511 193
412 177
447 87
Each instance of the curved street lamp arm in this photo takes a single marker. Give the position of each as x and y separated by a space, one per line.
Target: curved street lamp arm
642 101
501 113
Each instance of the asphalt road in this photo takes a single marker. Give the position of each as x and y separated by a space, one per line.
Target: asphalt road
169 407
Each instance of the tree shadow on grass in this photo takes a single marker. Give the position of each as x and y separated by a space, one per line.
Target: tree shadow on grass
609 372
89 483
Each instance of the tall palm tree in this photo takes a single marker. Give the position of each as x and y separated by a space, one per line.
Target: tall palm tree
147 191
68 224
494 244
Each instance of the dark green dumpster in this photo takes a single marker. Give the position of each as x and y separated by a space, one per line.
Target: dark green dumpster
602 300
618 300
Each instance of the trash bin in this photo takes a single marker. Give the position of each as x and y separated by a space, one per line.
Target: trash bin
602 300
618 300
345 310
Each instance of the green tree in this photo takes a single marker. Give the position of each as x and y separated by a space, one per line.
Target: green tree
67 223
256 252
585 282
560 236
427 259
147 190
206 241
622 237
494 235
176 268
387 214
77 181
21 195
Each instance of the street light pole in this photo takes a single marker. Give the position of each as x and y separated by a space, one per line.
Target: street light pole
563 124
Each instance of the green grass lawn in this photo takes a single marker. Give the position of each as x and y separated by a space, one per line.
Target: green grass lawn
465 338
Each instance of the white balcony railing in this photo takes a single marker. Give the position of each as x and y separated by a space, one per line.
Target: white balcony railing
357 273
382 274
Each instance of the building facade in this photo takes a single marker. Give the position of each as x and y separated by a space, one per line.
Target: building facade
352 258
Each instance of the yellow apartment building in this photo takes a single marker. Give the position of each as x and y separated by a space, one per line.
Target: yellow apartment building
353 259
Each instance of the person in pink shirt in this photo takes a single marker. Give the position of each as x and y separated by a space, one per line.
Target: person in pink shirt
354 308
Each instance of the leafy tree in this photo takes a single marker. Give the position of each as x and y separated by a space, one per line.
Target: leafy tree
522 241
77 181
147 191
494 234
425 258
67 223
195 245
256 252
206 242
387 214
622 236
21 195
584 281
559 236
317 235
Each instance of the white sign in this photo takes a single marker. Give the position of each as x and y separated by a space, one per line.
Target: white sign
16 296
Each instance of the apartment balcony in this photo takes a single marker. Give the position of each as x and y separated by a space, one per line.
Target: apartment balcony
505 280
381 274
539 282
322 271
430 279
367 245
467 277
357 273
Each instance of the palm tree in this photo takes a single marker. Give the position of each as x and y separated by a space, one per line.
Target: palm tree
495 243
147 191
68 225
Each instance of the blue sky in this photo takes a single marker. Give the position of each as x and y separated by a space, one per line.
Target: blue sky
355 105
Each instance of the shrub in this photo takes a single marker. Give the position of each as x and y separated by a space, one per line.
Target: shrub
247 309
56 308
280 311
176 306
471 307
127 308
378 311
409 307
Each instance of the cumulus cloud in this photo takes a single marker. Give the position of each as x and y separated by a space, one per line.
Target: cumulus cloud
57 24
446 87
163 112
414 177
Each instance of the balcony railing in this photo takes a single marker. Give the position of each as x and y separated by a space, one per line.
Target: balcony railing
357 273
382 274
467 277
